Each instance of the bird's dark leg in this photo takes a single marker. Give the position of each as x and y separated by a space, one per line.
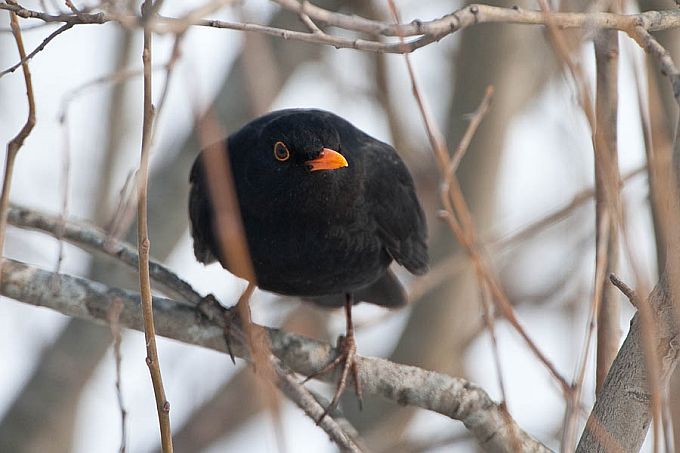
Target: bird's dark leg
241 313
347 349
209 308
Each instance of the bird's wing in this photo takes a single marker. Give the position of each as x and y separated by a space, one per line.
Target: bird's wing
398 215
200 215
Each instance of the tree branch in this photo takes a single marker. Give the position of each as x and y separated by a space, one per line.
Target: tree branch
453 397
17 142
623 405
35 51
89 237
607 198
144 245
421 32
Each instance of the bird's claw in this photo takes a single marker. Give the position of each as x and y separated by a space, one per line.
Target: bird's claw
230 316
210 309
347 349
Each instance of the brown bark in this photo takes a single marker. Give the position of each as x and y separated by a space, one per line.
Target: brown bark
623 411
663 116
608 205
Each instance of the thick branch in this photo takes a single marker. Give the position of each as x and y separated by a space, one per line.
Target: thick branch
454 397
623 411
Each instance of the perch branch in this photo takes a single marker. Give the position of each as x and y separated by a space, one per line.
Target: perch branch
455 398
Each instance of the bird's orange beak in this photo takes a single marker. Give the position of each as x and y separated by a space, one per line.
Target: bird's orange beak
327 160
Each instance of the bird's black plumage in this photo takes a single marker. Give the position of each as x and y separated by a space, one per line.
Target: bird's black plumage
317 234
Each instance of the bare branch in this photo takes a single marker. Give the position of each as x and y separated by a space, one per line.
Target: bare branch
144 245
114 316
455 398
42 45
458 216
663 57
626 290
607 199
421 32
17 142
309 404
442 271
90 238
574 400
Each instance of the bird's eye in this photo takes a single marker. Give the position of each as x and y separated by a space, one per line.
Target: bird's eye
281 152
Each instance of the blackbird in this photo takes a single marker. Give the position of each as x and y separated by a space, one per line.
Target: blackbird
325 208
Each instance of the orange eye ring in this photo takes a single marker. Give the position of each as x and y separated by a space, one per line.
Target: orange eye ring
281 152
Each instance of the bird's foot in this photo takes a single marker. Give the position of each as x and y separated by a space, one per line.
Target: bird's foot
210 309
347 350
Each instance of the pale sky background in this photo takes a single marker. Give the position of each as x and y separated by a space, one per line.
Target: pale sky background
548 159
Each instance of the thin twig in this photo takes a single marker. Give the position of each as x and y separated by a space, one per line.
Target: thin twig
626 290
42 45
114 321
456 208
648 317
66 186
234 253
645 40
652 340
115 120
475 122
144 245
571 417
607 198
313 409
123 217
606 193
71 6
451 265
306 19
15 144
489 321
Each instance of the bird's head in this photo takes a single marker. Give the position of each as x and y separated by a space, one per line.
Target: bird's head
301 143
294 159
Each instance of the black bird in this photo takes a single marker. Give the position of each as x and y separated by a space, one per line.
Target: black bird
325 208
